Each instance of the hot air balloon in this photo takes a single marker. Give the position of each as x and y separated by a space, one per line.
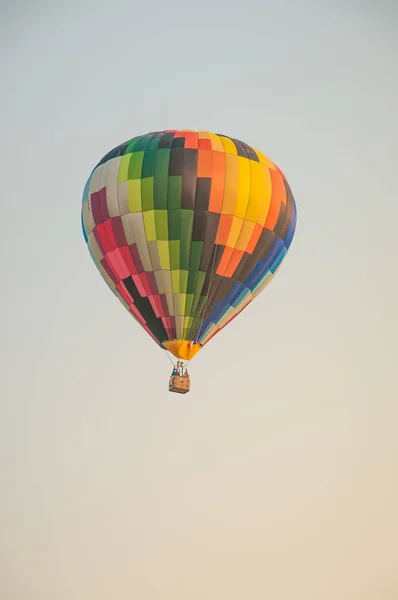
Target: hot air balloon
186 228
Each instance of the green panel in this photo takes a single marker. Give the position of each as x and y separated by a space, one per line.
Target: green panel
131 145
200 279
187 322
174 192
192 280
188 308
149 223
186 236
183 280
195 255
135 166
175 283
161 217
142 142
161 178
123 173
148 164
174 220
174 246
147 193
153 143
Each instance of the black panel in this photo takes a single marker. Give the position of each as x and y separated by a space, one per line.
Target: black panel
176 162
166 140
281 220
202 193
206 225
178 142
289 210
189 178
144 307
211 276
118 151
249 151
219 291
249 261
241 150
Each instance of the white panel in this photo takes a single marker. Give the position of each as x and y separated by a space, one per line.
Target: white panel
96 250
109 178
123 196
163 280
154 255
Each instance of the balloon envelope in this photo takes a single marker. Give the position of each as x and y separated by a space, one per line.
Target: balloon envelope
187 228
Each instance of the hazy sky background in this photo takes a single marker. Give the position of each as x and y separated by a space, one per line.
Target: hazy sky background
277 476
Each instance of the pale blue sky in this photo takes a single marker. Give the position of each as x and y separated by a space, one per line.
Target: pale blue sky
276 477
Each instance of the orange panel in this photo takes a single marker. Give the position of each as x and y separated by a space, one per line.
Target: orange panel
224 261
278 186
217 184
278 195
204 144
245 235
233 263
191 140
184 349
224 228
254 238
205 162
231 185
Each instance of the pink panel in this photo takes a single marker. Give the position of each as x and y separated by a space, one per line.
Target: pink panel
115 260
137 314
136 258
128 261
99 207
152 282
96 208
139 286
106 236
109 271
123 291
118 231
103 204
154 304
97 237
145 284
165 306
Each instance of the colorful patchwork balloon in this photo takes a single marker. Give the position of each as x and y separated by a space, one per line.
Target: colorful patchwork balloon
187 228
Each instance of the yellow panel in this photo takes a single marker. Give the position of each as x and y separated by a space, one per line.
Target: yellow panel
228 145
203 135
267 193
231 185
149 224
264 160
216 143
164 255
245 235
134 195
124 168
183 349
243 187
175 281
260 193
234 232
